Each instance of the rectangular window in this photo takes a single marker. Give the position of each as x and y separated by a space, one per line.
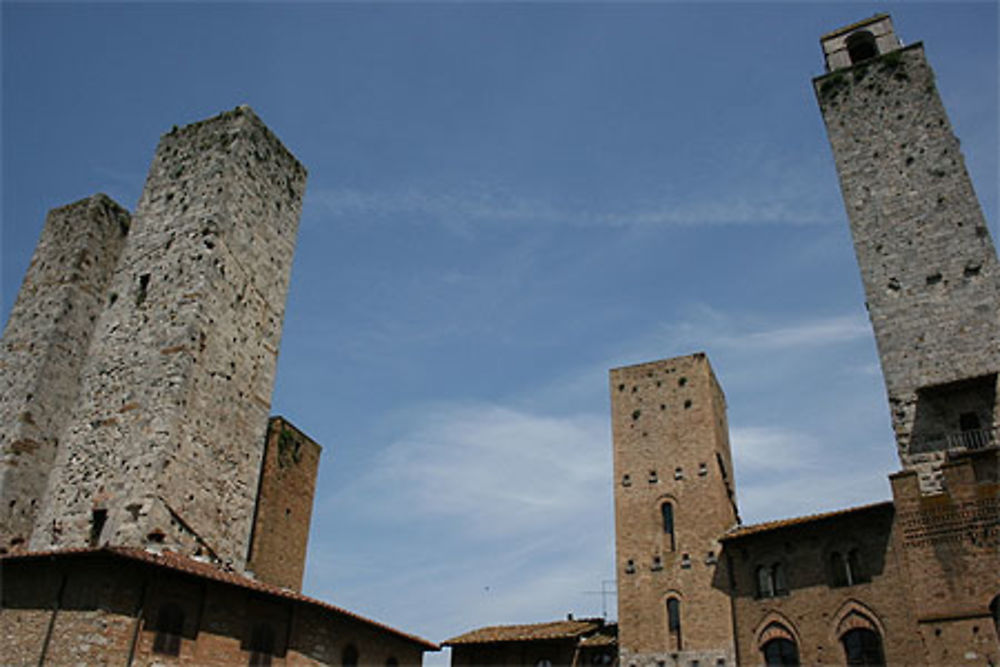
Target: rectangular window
97 521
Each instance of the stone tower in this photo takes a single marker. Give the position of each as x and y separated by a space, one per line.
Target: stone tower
164 444
927 262
44 347
674 497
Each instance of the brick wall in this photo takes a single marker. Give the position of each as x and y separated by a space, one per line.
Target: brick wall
284 506
102 609
817 608
950 544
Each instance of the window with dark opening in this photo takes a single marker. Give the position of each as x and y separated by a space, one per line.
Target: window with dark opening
169 628
667 511
392 662
97 520
771 580
349 658
674 623
779 652
765 584
995 613
261 645
863 646
838 569
846 570
861 46
778 579
957 415
968 421
140 295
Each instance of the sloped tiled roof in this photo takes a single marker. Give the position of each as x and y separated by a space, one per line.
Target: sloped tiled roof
531 632
178 563
743 531
606 636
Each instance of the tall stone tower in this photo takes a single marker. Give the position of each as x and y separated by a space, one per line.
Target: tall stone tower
674 497
44 346
927 261
164 444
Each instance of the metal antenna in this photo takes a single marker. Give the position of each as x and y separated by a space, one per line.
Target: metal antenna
607 589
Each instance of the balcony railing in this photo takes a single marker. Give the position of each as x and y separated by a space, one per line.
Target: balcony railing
977 439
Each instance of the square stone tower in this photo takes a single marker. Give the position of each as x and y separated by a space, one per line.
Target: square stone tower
674 497
164 444
44 347
927 262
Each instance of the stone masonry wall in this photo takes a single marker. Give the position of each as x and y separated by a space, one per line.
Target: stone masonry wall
44 345
671 444
164 445
284 506
928 264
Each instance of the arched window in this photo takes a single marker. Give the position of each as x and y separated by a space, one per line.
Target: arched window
349 658
667 512
674 623
169 628
261 645
863 646
780 651
861 46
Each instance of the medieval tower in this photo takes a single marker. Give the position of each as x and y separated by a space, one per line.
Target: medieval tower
674 497
44 347
927 262
156 436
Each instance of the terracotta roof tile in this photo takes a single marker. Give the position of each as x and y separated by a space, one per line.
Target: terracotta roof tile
743 531
178 563
606 636
530 632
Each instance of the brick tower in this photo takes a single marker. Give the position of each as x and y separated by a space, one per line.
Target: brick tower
44 347
164 444
280 534
674 497
927 262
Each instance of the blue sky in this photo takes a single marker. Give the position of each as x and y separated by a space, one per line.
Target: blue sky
504 202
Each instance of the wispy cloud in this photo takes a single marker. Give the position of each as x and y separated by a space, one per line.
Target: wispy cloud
807 333
464 206
493 469
773 448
